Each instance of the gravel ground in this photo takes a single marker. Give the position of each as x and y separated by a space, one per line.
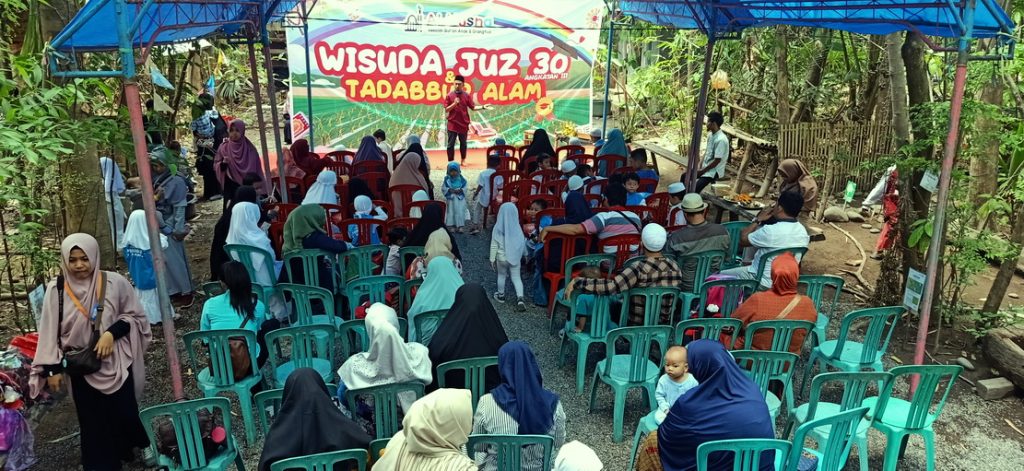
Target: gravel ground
970 433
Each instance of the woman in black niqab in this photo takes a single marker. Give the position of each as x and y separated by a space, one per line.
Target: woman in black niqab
432 220
541 144
309 422
470 329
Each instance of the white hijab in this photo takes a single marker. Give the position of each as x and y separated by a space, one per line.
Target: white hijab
136 234
363 206
575 456
420 195
322 191
244 227
509 232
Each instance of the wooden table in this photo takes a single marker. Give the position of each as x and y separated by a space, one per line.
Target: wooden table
736 212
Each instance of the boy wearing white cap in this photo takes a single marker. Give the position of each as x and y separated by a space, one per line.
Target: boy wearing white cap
676 192
699 235
568 169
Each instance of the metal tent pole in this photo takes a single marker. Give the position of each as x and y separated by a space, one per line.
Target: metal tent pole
272 97
608 72
945 177
309 76
134 103
698 119
254 71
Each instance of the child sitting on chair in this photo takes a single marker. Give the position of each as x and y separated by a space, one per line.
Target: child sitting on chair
676 381
584 302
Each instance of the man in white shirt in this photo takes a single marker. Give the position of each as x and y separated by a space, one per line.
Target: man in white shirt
716 155
385 148
776 229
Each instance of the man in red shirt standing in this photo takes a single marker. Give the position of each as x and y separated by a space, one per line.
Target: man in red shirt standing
457 104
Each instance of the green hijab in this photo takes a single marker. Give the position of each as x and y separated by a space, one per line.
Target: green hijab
303 221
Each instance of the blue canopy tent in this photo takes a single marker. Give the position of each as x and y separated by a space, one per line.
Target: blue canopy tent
963 20
129 25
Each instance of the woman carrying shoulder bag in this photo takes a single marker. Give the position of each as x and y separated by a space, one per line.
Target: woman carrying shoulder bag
93 333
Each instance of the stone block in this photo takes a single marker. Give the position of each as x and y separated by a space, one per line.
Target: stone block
994 388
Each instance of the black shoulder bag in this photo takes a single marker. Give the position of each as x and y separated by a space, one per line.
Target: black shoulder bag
81 361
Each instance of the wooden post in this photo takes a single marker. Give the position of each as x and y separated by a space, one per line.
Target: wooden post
741 173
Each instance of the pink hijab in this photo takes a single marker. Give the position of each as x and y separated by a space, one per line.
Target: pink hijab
121 304
240 156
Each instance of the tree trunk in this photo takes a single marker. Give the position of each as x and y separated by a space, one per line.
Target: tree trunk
1007 268
984 164
918 93
782 111
84 204
805 108
873 84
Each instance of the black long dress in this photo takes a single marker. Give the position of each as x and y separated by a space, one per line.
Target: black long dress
109 424
470 329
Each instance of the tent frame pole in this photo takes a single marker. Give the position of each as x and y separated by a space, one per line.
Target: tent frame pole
698 119
272 98
309 75
134 104
608 72
945 178
257 96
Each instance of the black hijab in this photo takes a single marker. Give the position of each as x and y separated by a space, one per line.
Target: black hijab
309 422
358 187
218 257
540 145
431 220
471 329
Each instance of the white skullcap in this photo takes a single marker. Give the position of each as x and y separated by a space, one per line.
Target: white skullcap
676 188
575 456
575 183
654 237
568 166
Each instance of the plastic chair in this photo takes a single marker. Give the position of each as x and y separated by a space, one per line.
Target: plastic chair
524 203
735 291
763 367
422 205
377 181
365 229
569 150
556 188
632 370
649 185
276 234
308 350
509 450
425 324
324 461
302 297
705 264
653 298
606 164
219 375
408 254
290 184
212 288
545 176
517 190
645 213
854 387
475 374
338 167
596 332
581 159
747 452
385 404
624 170
897 418
765 261
596 187
369 166
362 261
625 246
833 449
553 213
658 202
570 245
782 331
402 194
309 261
407 294
268 405
572 266
848 355
733 258
377 447
373 288
345 156
708 328
406 223
355 340
245 255
184 417
283 210
816 285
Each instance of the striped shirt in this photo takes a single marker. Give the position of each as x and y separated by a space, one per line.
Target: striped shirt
612 223
649 272
490 418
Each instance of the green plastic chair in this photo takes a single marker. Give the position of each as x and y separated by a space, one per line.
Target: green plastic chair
425 325
632 261
386 405
854 388
508 450
815 289
652 298
475 371
307 350
834 448
405 294
705 264
410 253
734 228
747 452
376 447
708 328
212 288
897 418
848 355
597 330
218 376
244 254
359 262
355 340
323 461
633 370
268 405
572 265
764 367
372 288
765 261
782 331
735 292
309 261
184 417
302 297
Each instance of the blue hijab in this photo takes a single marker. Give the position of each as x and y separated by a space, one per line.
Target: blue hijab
614 144
576 208
521 393
368 151
726 405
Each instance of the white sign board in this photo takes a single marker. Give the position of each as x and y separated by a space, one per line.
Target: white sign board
915 290
930 181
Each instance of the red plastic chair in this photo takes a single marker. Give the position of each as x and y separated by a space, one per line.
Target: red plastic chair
524 203
658 202
674 213
611 162
341 168
508 164
582 159
498 191
423 205
599 185
504 151
626 246
593 200
554 213
283 209
525 164
518 190
546 175
377 181
521 150
407 223
556 187
293 183
569 247
648 185
369 166
569 150
336 214
343 156
342 190
365 227
385 206
402 194
646 214
622 170
276 234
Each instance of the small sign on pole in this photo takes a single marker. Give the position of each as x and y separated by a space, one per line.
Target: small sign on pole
930 181
851 188
914 291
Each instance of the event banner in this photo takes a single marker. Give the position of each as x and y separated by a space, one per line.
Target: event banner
389 65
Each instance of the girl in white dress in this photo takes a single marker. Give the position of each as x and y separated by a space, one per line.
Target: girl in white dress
454 190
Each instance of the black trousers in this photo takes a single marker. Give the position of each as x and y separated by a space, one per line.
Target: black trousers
703 182
109 423
204 165
461 136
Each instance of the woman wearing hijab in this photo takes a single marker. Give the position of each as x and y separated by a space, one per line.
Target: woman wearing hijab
245 230
322 191
309 163
780 302
576 211
575 456
794 176
388 360
368 151
113 186
407 172
309 422
244 194
106 401
304 229
614 144
137 255
420 195
236 158
171 202
439 244
726 405
471 329
416 148
519 406
432 220
436 293
432 435
541 144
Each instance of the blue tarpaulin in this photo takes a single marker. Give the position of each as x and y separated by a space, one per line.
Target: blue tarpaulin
94 27
933 18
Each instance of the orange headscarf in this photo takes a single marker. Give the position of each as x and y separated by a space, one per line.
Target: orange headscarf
785 274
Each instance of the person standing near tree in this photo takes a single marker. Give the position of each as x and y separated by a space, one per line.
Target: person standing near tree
716 155
457 104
